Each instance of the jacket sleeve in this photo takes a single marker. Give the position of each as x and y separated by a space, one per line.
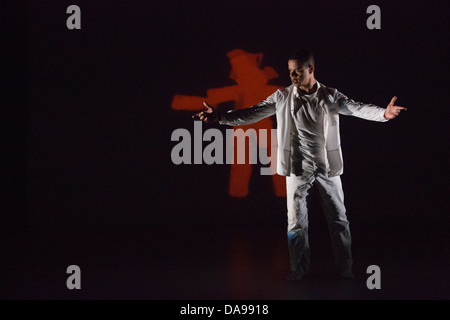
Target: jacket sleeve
264 109
358 109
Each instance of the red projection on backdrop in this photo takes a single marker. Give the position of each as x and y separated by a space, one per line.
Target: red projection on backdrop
251 88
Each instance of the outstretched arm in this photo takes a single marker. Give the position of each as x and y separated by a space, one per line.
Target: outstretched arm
264 109
238 117
367 111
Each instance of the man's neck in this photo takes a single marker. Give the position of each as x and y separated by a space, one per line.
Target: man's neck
309 88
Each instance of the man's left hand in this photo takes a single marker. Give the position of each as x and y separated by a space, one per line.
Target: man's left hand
392 111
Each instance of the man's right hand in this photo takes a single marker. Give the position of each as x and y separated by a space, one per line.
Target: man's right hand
208 116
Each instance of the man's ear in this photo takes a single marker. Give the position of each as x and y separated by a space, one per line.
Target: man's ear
311 69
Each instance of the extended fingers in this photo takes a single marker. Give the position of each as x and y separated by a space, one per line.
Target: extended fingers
198 115
207 116
397 107
397 110
210 109
202 116
393 100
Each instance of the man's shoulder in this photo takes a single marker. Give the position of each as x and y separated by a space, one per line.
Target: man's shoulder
328 90
284 92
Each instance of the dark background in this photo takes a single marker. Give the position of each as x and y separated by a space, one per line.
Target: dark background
98 188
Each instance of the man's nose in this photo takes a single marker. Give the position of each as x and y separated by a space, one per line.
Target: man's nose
293 74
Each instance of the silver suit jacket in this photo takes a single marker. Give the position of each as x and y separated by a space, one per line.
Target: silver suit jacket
281 103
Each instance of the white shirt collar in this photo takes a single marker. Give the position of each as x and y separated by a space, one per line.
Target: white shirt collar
296 89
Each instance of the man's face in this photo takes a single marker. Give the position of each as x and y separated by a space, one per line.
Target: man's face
300 74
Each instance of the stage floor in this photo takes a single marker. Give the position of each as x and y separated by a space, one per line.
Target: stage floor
218 263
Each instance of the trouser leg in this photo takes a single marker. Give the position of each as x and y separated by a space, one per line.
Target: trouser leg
297 231
332 195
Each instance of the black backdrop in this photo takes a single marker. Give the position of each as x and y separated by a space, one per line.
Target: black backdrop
99 117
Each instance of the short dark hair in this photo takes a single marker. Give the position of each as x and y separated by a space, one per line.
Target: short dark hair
304 56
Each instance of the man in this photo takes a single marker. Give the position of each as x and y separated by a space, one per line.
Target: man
309 153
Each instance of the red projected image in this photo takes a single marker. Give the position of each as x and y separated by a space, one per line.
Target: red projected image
252 87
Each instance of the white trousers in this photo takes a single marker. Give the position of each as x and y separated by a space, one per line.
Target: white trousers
332 198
